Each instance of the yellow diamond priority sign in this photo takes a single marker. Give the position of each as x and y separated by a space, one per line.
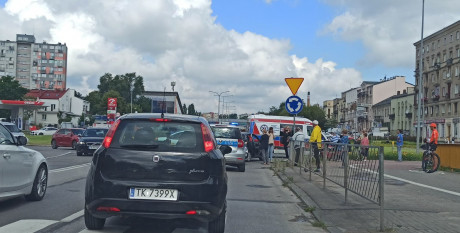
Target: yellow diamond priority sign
294 84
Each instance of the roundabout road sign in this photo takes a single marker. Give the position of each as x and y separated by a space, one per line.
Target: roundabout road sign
294 104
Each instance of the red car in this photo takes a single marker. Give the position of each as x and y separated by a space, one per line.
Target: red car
66 138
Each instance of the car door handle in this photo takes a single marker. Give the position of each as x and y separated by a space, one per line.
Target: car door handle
6 156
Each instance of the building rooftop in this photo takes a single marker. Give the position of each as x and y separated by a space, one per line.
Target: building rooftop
46 94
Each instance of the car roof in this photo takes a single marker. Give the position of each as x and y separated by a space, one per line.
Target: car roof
179 117
222 125
7 123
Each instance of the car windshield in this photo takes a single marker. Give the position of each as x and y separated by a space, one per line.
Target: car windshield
13 128
95 132
77 131
158 136
226 132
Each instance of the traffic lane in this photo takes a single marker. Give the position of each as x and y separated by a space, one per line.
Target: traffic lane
59 202
412 171
257 202
61 157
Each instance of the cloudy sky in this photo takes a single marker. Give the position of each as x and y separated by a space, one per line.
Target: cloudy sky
246 47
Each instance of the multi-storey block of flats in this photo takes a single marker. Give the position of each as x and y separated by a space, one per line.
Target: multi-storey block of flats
440 80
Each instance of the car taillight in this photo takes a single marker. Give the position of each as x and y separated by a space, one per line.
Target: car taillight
160 119
207 138
240 143
109 136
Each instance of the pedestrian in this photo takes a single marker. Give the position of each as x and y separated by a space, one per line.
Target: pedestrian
271 144
365 146
315 140
335 138
298 138
399 144
344 139
286 134
264 146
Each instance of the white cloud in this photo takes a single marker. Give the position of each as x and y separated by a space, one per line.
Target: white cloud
176 40
388 29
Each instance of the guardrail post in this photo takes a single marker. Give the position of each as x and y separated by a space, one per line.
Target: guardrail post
302 145
309 159
325 151
381 190
345 172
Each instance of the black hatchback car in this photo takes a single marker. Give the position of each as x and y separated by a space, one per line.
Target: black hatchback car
165 167
90 140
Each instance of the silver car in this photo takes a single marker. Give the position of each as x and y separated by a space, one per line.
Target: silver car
23 171
231 136
14 129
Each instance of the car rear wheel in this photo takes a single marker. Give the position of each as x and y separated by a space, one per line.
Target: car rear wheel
248 156
218 225
40 134
54 144
40 185
93 223
242 167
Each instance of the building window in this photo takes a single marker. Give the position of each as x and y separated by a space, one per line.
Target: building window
53 106
43 116
456 71
455 107
443 109
449 108
456 89
444 57
458 35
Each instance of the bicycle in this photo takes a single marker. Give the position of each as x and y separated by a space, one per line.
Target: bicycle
430 160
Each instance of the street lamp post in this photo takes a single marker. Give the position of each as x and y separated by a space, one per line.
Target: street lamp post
218 105
420 112
132 89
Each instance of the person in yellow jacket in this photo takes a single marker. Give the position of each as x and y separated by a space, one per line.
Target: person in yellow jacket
315 141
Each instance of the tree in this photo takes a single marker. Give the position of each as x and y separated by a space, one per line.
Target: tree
330 123
184 109
314 113
191 110
10 89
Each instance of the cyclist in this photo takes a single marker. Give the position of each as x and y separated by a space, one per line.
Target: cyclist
434 137
431 145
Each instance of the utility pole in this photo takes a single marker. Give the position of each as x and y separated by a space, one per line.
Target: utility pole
218 105
420 86
132 89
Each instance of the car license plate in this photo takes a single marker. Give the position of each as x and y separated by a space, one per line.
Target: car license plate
94 147
153 194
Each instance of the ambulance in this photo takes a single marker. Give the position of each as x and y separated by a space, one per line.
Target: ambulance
257 123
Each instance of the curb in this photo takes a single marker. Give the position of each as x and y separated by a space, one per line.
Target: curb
305 198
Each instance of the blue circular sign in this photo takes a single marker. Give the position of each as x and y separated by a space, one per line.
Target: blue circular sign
294 104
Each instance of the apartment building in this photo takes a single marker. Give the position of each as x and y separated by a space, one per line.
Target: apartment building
328 108
440 80
370 93
403 112
34 65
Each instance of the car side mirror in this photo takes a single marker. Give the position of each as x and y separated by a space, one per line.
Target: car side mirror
79 135
22 141
225 149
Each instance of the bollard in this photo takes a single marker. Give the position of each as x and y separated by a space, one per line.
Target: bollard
325 151
381 189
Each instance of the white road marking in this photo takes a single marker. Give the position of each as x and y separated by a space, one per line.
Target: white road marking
28 225
423 185
109 229
417 184
58 155
72 217
69 168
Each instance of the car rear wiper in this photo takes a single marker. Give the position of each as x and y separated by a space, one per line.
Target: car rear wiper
149 146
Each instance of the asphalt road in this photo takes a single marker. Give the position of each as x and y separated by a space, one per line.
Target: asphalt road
257 202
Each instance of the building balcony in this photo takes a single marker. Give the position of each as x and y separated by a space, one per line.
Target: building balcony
447 96
435 97
379 118
409 115
392 116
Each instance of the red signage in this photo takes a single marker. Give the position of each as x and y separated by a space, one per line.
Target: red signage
21 102
112 103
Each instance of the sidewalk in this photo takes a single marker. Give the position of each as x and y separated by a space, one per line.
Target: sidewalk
406 208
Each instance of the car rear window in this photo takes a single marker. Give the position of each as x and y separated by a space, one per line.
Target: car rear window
159 136
77 131
227 132
95 133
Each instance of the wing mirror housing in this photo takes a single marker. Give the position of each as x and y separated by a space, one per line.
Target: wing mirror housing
225 149
22 141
